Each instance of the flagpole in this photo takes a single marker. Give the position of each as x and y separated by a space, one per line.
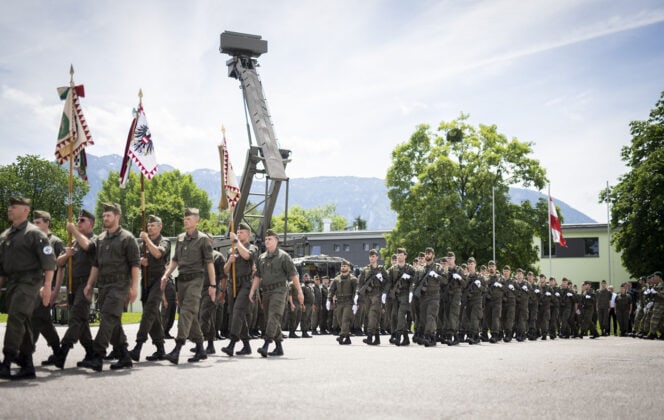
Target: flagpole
70 204
549 217
143 227
608 230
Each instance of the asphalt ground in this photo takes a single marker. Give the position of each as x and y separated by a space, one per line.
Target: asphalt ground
607 378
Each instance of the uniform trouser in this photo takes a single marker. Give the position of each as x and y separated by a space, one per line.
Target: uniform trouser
453 312
373 306
636 327
603 318
252 313
613 321
543 318
657 317
294 316
565 325
168 314
554 322
238 308
344 313
322 317
112 298
415 308
42 323
21 297
645 322
273 304
492 313
361 315
623 319
151 318
207 315
79 322
587 321
315 312
387 318
521 317
189 296
474 315
442 310
429 310
403 309
305 321
507 316
533 308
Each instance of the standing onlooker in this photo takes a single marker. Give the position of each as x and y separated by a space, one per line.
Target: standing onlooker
613 325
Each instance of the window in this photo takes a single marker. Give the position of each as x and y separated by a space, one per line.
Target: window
315 250
336 248
576 248
365 246
376 246
346 248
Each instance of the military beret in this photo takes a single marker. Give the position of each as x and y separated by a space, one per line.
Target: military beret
491 262
507 267
345 262
530 273
520 270
429 250
657 273
402 251
112 207
471 259
271 232
86 214
41 214
244 226
190 211
154 219
542 275
450 254
373 252
444 259
420 254
483 267
19 201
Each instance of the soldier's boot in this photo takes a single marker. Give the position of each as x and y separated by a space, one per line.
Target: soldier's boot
396 339
551 336
293 335
376 341
369 339
475 339
200 353
454 340
532 336
429 341
245 350
157 355
230 348
340 339
174 355
406 340
347 340
89 354
543 337
305 335
5 367
508 336
263 350
210 348
95 362
51 359
278 350
484 337
417 339
114 354
61 356
135 353
27 370
651 336
124 362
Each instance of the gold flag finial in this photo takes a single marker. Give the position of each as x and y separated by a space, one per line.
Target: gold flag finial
71 73
140 95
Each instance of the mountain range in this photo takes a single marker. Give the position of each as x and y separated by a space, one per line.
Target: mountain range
352 196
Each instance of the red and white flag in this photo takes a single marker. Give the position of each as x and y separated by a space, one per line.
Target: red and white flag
554 222
139 148
230 191
74 134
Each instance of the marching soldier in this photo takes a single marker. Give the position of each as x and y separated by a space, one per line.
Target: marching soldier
544 308
371 285
207 315
456 283
556 298
523 293
432 279
26 265
401 277
657 317
475 293
509 304
623 309
587 307
273 270
494 304
343 289
534 295
193 259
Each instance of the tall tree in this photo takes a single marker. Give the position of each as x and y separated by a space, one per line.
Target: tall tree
309 220
440 184
359 223
166 195
637 201
46 183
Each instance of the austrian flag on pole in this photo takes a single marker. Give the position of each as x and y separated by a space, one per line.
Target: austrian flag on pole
556 229
141 149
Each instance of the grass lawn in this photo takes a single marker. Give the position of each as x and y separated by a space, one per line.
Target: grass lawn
127 318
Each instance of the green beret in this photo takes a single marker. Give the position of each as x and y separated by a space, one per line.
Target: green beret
450 254
190 211
373 252
507 267
271 232
112 207
154 219
345 262
19 201
86 214
520 270
429 250
244 226
41 214
491 262
471 259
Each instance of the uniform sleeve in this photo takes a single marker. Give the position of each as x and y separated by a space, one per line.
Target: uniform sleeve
42 247
207 251
258 268
289 266
133 253
165 248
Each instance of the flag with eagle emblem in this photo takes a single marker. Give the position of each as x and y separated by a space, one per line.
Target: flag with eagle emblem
139 148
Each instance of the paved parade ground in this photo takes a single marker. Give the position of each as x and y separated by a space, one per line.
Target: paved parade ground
605 378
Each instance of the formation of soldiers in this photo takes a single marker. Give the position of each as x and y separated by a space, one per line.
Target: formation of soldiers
245 294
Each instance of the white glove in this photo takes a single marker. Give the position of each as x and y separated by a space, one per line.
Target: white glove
405 276
524 288
511 287
497 284
647 292
456 276
654 292
383 298
588 297
433 274
327 305
477 283
569 294
379 276
557 294
354 309
537 290
578 311
649 305
548 293
410 297
355 299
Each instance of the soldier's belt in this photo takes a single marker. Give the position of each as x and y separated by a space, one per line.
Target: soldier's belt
107 278
274 286
189 276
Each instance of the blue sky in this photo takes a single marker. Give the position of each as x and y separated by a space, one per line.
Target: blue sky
346 81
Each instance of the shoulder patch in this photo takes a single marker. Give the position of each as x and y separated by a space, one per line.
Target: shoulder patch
48 250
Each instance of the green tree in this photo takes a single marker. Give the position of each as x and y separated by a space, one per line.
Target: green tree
637 201
166 195
359 223
46 183
309 220
440 184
